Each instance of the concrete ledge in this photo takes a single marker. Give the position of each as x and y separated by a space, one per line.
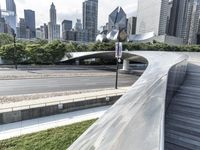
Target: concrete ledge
20 115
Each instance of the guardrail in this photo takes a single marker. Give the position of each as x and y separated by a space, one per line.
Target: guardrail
59 102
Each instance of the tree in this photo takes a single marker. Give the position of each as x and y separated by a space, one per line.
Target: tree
36 54
5 39
7 53
54 51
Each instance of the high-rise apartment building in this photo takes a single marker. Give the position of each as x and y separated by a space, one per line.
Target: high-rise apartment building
117 19
90 18
184 20
53 27
152 16
29 17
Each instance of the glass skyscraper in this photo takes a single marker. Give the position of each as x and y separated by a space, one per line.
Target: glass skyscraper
30 22
11 18
90 18
152 16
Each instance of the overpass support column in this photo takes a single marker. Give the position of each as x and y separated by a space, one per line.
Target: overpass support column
125 65
77 62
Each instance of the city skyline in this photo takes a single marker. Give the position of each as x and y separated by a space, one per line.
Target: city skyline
70 10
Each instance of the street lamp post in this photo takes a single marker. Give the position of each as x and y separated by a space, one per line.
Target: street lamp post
15 51
118 48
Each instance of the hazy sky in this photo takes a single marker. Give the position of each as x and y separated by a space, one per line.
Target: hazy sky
71 9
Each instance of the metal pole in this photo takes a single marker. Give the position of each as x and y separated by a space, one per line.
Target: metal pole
117 69
15 52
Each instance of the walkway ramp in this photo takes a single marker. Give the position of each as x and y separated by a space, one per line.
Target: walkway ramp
182 126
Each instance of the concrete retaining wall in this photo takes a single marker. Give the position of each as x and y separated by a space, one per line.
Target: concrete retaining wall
15 116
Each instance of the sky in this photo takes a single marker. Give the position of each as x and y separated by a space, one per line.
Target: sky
71 9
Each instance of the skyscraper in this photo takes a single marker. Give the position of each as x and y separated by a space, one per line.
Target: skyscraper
30 21
90 18
66 25
53 27
22 32
117 19
78 25
53 18
152 16
131 25
11 18
184 20
10 6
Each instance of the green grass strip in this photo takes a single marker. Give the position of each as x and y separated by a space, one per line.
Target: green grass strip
53 139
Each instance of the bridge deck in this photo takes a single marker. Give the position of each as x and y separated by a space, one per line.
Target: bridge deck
182 127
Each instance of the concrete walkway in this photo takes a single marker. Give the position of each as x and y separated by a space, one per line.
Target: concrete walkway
22 105
35 125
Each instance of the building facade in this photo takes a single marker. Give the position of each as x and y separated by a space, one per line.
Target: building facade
90 18
184 20
29 17
66 26
53 27
117 19
152 16
131 25
78 26
21 29
11 14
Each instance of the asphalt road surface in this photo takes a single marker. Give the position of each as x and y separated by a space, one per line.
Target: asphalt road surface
31 86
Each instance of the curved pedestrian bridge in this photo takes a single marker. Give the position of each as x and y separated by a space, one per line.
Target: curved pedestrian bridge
160 111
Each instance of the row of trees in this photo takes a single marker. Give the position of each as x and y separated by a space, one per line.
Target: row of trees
42 52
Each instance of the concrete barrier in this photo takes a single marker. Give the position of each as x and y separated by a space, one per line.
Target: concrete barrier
20 115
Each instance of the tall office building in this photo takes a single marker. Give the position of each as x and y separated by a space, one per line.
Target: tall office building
90 18
66 25
184 20
22 32
11 6
131 25
117 19
29 17
45 34
152 16
11 18
78 25
53 27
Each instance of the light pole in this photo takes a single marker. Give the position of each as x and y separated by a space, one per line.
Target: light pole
15 51
118 48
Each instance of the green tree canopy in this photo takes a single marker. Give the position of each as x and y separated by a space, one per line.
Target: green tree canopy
5 39
8 53
54 51
36 54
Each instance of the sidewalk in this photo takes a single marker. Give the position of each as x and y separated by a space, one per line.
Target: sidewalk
22 105
35 125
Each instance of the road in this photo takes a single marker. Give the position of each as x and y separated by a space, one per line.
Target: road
31 86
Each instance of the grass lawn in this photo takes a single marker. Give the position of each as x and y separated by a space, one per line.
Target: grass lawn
54 139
